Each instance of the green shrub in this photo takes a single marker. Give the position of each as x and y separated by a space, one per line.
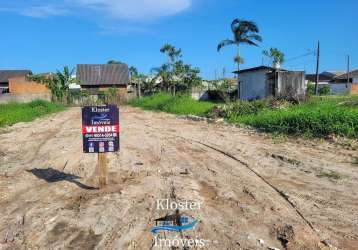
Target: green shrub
181 105
310 89
322 90
319 117
325 90
24 112
240 108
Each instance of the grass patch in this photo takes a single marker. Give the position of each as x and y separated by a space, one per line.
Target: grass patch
318 117
332 175
25 112
180 105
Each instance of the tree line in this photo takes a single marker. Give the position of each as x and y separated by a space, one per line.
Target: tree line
172 76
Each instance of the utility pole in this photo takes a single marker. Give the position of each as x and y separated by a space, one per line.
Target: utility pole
317 68
348 74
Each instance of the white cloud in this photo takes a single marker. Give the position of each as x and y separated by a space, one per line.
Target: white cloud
131 10
112 16
44 11
137 9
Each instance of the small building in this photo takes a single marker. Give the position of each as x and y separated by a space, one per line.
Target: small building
101 77
20 85
323 79
6 75
262 82
337 81
16 87
350 87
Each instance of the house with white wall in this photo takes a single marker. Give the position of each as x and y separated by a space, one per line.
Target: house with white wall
337 81
341 83
262 82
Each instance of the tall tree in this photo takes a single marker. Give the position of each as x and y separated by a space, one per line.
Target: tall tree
245 32
173 55
133 71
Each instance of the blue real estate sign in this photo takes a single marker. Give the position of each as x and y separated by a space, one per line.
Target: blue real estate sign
100 129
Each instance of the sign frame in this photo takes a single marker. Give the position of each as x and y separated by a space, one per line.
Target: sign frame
101 129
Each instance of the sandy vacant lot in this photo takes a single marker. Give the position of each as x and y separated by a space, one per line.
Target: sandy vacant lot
257 192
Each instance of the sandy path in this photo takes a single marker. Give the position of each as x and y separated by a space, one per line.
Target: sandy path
252 187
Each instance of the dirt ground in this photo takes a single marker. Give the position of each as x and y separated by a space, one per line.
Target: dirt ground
257 191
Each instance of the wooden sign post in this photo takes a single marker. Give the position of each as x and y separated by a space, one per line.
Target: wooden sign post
100 129
102 169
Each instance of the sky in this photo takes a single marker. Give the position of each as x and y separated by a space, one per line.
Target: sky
46 35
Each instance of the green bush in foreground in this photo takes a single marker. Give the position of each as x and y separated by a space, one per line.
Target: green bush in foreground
180 105
319 117
24 112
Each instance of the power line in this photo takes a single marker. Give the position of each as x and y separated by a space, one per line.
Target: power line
301 56
301 63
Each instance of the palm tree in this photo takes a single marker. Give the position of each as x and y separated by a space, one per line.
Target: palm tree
133 71
245 32
163 74
173 55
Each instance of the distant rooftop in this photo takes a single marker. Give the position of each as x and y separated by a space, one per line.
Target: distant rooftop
334 73
322 77
259 68
353 73
103 74
5 75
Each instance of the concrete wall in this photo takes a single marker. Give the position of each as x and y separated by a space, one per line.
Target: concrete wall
253 85
291 83
20 86
339 89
